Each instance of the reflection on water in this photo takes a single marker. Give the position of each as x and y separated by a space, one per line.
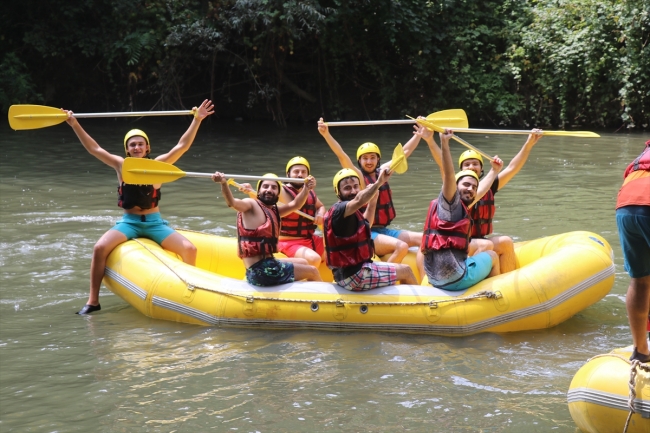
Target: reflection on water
120 371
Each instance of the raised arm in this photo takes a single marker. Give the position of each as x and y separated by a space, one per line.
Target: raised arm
343 157
448 177
91 145
486 183
427 135
239 205
410 145
299 200
365 195
520 158
204 110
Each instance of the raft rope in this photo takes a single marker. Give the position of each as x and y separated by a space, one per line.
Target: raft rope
339 302
634 367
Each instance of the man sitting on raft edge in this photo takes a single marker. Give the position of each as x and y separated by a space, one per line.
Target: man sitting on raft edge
258 228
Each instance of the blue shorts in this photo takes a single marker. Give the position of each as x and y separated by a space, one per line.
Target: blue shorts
150 226
270 272
478 268
634 232
384 231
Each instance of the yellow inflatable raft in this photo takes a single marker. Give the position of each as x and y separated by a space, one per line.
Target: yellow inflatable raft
598 395
557 277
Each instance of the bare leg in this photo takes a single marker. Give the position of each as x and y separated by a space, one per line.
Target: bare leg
294 260
419 261
177 243
101 250
496 270
637 302
480 245
305 272
387 245
309 255
405 274
412 239
505 248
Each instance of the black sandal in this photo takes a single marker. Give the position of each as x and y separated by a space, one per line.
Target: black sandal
87 309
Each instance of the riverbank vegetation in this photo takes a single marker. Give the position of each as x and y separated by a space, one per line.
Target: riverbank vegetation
548 63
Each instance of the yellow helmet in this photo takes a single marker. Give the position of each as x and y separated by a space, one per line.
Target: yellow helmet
259 182
469 154
136 133
466 173
342 174
298 160
368 148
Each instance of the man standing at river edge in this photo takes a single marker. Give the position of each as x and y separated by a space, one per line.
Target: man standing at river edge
633 221
348 240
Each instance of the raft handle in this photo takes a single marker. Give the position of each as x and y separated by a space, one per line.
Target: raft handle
433 304
314 307
363 309
250 299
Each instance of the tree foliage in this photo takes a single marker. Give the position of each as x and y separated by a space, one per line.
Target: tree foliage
559 63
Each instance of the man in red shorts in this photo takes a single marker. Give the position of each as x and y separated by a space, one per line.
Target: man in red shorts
297 238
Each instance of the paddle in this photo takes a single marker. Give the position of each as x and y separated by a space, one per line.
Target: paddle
582 134
432 126
455 118
252 194
39 116
142 171
398 162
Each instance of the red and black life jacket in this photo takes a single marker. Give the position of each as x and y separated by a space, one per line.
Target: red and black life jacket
297 225
482 214
348 251
143 196
636 186
262 240
385 211
440 234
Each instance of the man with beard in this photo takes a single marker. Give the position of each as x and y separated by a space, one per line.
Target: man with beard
447 229
349 246
297 238
387 240
258 227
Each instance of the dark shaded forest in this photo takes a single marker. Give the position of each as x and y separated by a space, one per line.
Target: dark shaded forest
546 63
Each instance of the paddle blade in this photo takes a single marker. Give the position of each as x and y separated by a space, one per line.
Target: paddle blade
141 171
582 134
27 116
398 162
455 118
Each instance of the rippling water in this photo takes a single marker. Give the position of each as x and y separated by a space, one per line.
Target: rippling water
120 371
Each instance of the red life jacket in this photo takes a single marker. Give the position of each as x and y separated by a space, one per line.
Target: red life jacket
264 239
348 251
385 211
440 234
636 186
143 196
482 213
297 225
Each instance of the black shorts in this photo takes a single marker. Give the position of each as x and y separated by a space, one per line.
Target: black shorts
270 272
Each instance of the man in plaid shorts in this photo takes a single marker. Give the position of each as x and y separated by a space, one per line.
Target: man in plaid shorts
349 247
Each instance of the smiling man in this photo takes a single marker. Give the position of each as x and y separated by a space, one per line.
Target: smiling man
258 228
445 244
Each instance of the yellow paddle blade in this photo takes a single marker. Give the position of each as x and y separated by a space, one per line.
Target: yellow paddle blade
428 124
142 171
232 182
34 116
455 118
398 162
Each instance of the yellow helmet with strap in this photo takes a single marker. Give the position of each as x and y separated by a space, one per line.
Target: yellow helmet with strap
298 160
259 182
469 154
368 148
466 173
342 174
136 133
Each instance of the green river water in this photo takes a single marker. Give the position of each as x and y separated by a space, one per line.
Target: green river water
120 371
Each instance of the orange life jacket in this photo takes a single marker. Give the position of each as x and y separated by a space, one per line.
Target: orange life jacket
348 251
440 234
636 186
262 240
297 225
